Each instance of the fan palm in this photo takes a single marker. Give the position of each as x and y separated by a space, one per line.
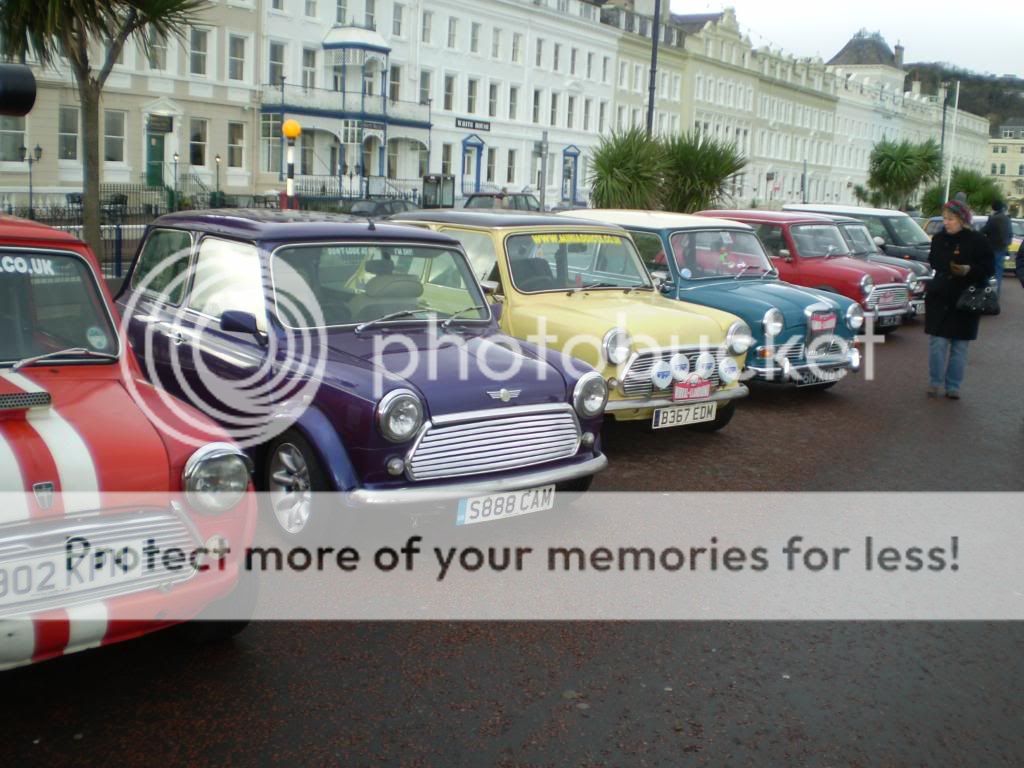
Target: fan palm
697 171
627 171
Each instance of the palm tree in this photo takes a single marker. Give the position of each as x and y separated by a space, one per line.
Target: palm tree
896 170
981 192
91 36
627 172
697 170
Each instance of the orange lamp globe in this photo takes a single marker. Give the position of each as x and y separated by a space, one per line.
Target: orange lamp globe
291 129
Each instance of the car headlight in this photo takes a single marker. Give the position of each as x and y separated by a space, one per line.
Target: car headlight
617 345
216 478
866 284
914 285
773 322
590 395
399 415
739 338
855 317
728 370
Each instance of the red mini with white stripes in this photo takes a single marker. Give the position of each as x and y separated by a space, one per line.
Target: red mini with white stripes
109 527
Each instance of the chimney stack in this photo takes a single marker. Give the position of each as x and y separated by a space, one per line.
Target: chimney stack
899 56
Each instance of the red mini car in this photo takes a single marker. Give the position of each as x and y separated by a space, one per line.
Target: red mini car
110 525
809 250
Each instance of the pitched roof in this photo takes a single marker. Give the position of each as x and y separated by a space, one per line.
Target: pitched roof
694 22
866 49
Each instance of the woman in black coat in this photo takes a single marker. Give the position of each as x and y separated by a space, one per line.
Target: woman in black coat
960 257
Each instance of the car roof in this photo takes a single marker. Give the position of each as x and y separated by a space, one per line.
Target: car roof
500 194
848 210
653 219
495 219
775 217
272 224
13 228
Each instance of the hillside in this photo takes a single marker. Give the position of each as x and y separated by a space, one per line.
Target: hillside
999 98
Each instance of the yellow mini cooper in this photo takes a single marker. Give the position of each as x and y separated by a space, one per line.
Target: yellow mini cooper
580 288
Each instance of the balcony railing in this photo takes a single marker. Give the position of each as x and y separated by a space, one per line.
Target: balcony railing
345 103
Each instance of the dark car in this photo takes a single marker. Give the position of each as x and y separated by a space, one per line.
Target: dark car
863 246
895 232
516 201
377 209
367 362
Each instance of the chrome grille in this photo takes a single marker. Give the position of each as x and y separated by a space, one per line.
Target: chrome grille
21 400
494 443
797 353
28 543
637 380
888 297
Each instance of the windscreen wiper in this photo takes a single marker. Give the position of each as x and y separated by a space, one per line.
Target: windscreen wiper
393 316
454 316
69 352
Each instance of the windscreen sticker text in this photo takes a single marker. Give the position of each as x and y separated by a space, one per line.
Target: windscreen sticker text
19 265
569 238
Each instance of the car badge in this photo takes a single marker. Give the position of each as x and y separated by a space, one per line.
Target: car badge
505 395
44 495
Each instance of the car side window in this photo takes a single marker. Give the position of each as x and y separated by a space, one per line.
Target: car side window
162 264
771 236
877 229
228 277
652 251
479 248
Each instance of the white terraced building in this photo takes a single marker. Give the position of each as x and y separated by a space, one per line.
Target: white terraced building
389 90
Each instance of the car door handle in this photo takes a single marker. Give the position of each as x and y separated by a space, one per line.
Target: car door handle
174 334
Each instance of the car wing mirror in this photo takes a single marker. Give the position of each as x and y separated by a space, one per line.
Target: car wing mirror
490 287
785 255
235 321
879 241
662 280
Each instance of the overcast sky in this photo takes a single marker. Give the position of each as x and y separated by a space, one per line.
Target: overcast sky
984 36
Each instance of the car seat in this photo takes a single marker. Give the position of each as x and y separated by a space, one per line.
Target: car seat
533 274
386 292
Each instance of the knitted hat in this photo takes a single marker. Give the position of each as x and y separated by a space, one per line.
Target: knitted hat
958 209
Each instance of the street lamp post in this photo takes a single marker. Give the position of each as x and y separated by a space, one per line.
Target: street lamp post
291 130
175 181
216 161
31 159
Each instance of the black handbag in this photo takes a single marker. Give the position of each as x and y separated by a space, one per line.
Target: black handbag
979 300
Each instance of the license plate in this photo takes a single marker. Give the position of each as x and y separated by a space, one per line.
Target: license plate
887 320
823 323
683 415
70 570
685 390
810 379
498 506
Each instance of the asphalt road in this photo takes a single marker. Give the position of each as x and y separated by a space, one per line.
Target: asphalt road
610 694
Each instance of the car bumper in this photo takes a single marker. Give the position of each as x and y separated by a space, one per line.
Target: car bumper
787 372
384 497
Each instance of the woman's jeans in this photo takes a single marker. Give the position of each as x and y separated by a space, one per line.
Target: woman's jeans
947 359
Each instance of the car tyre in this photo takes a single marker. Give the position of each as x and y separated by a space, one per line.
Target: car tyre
579 485
723 417
292 476
241 603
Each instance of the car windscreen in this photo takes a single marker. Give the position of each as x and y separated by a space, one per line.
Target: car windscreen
859 238
483 201
364 208
1018 227
50 301
819 240
559 261
339 284
906 231
711 253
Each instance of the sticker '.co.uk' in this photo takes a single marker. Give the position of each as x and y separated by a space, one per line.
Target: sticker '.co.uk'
97 338
19 265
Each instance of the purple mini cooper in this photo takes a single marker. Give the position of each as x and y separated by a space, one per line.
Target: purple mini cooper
360 358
